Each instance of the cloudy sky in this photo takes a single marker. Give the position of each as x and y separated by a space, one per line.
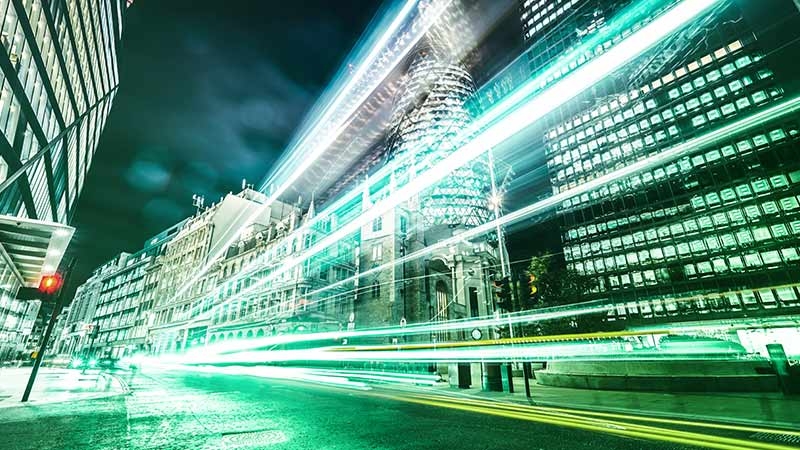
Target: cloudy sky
210 94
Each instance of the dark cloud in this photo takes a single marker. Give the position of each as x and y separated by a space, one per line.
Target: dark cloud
210 94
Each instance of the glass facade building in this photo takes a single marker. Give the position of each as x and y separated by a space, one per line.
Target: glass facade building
714 230
58 78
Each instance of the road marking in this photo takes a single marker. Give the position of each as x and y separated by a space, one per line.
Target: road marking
576 420
643 418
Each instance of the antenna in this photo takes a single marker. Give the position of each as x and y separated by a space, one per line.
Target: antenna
198 201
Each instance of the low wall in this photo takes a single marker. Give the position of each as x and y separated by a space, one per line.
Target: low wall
662 375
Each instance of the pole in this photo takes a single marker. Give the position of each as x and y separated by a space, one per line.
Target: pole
38 361
40 355
505 266
526 374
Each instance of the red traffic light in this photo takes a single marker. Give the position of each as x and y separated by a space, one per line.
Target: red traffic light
50 284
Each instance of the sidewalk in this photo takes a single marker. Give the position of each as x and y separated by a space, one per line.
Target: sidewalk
56 385
773 410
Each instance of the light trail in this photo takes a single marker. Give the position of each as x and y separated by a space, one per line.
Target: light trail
638 418
739 126
586 421
319 147
506 341
530 111
411 329
603 350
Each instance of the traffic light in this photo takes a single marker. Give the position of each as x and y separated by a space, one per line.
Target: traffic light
50 284
502 292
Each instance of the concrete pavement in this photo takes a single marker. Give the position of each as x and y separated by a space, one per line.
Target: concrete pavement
56 385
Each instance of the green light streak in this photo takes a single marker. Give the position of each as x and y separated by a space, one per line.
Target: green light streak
511 123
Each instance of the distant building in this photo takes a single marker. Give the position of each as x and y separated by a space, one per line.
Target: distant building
59 76
72 337
195 246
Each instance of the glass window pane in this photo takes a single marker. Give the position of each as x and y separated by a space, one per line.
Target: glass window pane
779 230
761 233
789 203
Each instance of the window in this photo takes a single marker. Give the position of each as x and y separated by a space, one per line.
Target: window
789 203
752 260
377 224
761 233
377 252
771 257
376 289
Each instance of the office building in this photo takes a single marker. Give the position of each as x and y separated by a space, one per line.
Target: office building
713 232
58 78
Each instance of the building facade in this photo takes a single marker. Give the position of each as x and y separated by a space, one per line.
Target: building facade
58 78
72 337
714 232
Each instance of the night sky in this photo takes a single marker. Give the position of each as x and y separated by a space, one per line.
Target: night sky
210 93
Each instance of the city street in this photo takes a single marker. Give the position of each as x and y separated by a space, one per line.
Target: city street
179 409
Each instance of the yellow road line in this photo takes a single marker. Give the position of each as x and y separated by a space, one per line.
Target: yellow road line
700 424
593 424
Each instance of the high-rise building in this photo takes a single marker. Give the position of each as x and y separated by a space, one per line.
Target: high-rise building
58 78
713 232
429 117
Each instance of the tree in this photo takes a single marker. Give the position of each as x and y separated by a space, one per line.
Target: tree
550 285
553 286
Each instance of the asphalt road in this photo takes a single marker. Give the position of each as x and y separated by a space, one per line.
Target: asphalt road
186 410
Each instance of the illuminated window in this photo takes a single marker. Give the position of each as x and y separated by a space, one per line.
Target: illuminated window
728 109
759 97
760 186
743 103
753 260
744 237
736 263
770 208
752 212
728 69
743 191
761 234
720 219
736 216
789 203
777 135
790 254
743 61
728 241
779 231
